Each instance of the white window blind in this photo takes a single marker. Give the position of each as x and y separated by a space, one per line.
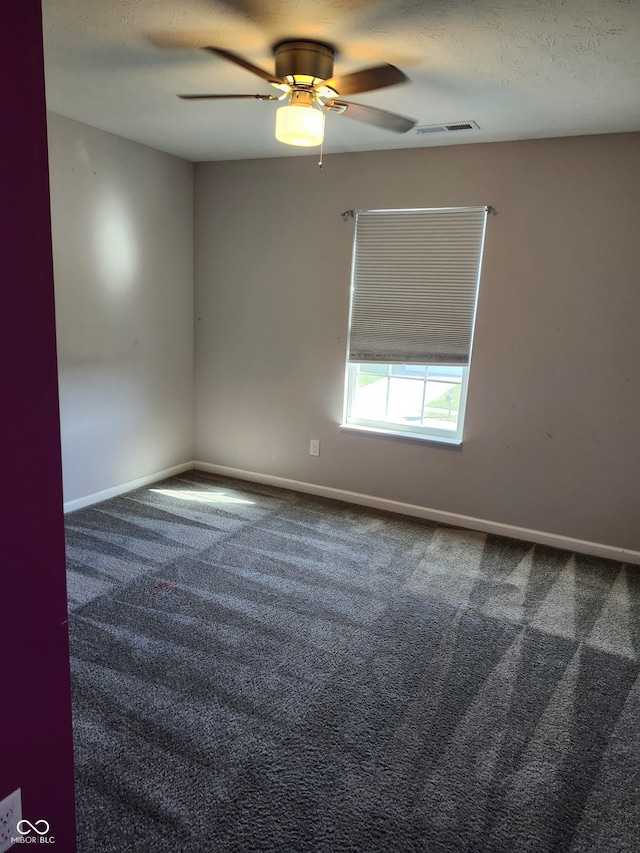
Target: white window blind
415 284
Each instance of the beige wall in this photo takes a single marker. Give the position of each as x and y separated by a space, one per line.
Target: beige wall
553 412
122 223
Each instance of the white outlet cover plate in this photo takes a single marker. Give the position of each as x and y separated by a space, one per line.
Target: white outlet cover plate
10 817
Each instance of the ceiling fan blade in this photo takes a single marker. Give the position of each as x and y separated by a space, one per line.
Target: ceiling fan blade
227 97
233 57
371 115
377 77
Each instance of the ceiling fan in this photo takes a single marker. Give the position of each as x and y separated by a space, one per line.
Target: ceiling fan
304 76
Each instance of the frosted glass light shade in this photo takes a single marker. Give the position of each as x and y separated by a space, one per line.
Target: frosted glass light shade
300 125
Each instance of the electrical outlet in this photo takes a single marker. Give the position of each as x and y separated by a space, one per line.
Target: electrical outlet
10 817
314 447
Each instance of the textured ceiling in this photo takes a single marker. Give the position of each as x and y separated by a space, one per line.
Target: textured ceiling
521 69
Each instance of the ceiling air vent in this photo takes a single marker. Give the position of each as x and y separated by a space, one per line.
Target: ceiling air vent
430 128
440 128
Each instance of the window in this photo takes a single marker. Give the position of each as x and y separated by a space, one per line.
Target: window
414 289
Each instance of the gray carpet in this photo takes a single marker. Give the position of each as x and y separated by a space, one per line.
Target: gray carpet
259 670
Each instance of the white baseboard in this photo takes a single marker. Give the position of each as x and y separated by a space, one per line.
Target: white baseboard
595 549
120 489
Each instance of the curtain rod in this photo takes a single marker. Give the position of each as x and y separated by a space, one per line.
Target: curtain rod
350 214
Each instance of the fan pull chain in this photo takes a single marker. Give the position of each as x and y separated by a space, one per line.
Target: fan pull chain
320 161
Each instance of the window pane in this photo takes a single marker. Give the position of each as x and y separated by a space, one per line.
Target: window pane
418 370
405 400
370 397
442 397
377 369
445 372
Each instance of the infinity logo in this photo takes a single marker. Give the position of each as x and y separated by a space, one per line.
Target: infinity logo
32 826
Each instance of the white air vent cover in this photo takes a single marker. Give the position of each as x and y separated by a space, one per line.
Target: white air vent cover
441 128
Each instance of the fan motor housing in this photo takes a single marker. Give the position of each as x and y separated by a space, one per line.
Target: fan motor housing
304 58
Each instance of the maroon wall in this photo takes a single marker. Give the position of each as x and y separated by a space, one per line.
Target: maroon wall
35 708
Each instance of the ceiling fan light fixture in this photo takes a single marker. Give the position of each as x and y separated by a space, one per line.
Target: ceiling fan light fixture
300 123
304 75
